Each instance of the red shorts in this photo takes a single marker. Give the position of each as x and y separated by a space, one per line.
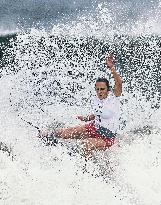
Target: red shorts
91 129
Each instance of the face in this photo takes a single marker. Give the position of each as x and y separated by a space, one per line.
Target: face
101 90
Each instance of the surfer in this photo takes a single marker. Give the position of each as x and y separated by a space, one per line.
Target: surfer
100 128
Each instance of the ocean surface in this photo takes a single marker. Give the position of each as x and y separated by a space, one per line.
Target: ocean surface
51 53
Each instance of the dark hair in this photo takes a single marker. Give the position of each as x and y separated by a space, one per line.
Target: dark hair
104 80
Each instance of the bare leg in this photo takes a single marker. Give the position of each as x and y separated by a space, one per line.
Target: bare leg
78 132
91 144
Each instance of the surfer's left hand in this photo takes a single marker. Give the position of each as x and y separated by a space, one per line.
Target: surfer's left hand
109 61
80 118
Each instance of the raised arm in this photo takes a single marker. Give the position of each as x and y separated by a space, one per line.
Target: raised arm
117 78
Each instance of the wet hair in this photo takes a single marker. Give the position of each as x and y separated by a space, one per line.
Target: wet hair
104 80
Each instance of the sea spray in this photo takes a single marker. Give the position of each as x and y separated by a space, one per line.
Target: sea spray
51 75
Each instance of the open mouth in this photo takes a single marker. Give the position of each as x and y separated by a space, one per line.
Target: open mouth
100 96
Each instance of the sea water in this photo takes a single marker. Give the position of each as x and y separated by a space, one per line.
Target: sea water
51 54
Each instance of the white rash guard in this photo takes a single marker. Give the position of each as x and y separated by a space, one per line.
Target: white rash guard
107 112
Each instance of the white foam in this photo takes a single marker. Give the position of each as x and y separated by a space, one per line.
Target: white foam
112 18
44 175
38 174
